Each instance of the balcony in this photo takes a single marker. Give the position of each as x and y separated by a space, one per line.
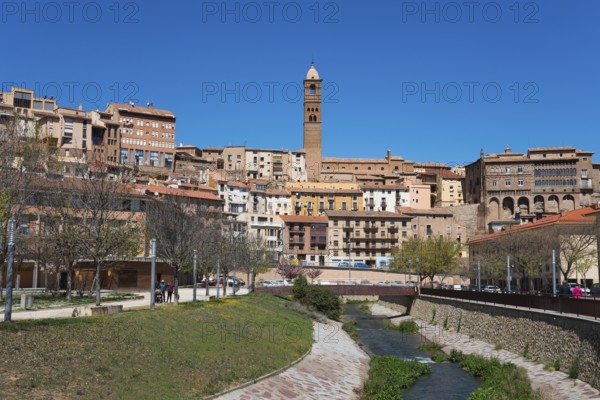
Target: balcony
370 228
585 184
297 230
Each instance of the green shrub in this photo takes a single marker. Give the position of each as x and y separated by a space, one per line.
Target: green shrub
350 328
389 376
526 352
446 322
557 364
433 346
575 369
324 301
498 347
408 326
299 288
433 311
439 357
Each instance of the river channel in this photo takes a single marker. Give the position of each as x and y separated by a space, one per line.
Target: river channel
446 381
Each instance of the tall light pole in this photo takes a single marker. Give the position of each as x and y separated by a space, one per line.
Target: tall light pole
508 277
553 273
153 274
349 261
478 276
195 274
9 271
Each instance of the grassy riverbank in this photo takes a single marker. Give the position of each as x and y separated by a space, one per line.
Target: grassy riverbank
185 351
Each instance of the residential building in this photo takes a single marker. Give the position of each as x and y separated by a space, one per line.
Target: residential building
518 188
269 198
434 222
106 144
305 239
390 167
363 236
147 136
313 198
385 197
236 196
268 228
446 185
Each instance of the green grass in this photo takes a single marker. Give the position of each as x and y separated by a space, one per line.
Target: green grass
499 381
350 328
389 376
185 352
407 326
430 347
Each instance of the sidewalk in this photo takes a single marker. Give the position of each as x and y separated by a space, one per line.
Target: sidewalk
335 367
554 385
185 296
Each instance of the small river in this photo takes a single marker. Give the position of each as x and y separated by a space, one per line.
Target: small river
446 381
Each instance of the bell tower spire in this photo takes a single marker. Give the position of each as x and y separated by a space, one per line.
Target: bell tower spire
312 123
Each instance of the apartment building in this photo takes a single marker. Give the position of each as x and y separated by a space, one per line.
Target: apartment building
147 136
305 238
446 185
518 188
106 144
394 166
385 197
268 228
434 222
364 236
313 198
269 198
236 196
20 110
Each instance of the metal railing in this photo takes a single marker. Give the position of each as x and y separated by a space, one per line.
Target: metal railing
586 306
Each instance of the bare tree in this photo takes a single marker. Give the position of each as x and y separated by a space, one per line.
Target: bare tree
22 158
109 230
173 223
313 273
575 243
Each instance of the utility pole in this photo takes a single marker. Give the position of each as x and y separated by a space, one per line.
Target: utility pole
508 277
478 275
553 273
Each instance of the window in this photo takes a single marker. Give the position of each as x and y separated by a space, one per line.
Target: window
584 173
519 170
507 182
520 182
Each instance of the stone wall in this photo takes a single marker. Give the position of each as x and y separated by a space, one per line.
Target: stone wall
545 336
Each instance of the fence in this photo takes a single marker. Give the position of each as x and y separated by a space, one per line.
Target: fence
589 307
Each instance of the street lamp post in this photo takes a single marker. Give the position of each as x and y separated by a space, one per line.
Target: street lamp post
153 275
508 277
349 261
478 276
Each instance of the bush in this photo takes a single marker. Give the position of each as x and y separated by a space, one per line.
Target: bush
324 301
575 369
409 326
350 328
389 376
299 288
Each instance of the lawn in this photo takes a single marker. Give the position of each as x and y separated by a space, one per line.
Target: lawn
185 351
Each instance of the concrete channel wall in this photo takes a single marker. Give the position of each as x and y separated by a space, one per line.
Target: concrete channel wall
544 336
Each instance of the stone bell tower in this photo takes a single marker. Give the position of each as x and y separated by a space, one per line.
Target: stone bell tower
312 123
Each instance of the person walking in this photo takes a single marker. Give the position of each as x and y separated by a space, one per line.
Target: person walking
163 288
577 292
169 292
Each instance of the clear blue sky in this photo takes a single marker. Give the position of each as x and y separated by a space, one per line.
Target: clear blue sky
421 81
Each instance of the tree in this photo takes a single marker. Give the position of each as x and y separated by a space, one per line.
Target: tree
427 257
109 230
22 157
585 263
575 244
256 258
172 222
313 273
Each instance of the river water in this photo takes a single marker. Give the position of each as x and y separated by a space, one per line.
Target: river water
446 381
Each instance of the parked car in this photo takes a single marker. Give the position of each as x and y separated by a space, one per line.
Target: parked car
595 289
473 288
445 286
361 265
491 289
231 281
457 287
344 264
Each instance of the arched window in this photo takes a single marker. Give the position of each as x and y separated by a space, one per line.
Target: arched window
313 89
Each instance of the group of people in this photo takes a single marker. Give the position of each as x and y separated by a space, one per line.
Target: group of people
159 293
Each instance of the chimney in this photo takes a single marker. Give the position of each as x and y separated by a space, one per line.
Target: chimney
80 108
150 105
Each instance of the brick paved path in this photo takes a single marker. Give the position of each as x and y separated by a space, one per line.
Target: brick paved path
335 367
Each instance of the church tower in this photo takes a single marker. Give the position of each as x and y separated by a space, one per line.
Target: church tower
312 123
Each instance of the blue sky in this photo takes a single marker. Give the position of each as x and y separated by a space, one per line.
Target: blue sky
431 81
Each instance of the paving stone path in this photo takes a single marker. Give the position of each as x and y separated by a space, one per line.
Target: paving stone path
554 385
334 369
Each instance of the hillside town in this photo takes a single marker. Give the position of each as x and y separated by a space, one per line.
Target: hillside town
306 208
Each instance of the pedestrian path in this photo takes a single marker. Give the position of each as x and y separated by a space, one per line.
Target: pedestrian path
554 385
185 295
335 369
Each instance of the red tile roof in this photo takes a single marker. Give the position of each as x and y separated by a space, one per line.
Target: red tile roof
581 216
143 110
179 192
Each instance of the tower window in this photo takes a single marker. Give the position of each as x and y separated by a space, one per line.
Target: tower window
313 89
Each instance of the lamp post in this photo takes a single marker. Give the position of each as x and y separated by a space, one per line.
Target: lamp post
9 271
349 261
418 272
478 276
195 274
153 274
